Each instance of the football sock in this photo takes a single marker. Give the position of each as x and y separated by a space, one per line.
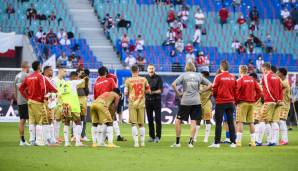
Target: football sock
177 140
52 133
116 128
45 133
135 137
253 137
275 132
262 128
57 128
32 132
257 132
283 130
77 133
100 134
227 135
207 131
239 137
94 132
268 132
22 138
197 132
142 134
110 134
39 134
66 132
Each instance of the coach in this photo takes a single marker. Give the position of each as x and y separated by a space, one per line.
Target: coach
21 101
153 104
224 92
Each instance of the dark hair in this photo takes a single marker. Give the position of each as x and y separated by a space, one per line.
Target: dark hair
35 65
102 71
283 71
46 68
274 69
224 65
254 75
73 74
206 74
117 91
87 72
134 69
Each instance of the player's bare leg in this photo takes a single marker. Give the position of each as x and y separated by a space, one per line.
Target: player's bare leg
21 132
193 124
198 125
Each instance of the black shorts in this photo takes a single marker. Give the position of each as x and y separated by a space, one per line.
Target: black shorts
23 111
194 111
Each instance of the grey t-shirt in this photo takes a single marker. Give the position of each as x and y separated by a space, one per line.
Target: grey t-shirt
191 86
17 83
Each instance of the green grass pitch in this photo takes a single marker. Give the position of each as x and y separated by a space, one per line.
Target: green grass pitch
152 157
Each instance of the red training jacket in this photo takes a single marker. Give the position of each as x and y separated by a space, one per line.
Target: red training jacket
114 77
274 86
248 90
102 85
224 88
36 86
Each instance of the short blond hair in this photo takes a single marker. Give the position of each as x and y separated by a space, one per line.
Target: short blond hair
243 69
190 67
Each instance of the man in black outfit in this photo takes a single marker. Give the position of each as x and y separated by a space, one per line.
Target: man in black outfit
153 103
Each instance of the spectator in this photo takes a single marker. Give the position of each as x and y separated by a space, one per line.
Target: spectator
202 62
197 36
65 41
52 17
38 34
189 48
199 18
171 35
117 18
139 44
61 34
130 61
31 13
254 15
235 45
171 16
123 23
259 63
183 14
285 13
223 15
124 42
62 60
43 38
253 27
179 45
173 53
251 67
141 61
241 49
289 24
249 44
294 14
236 4
69 62
51 37
268 44
241 20
10 10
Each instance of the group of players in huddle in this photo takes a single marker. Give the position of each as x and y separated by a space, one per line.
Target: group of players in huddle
263 105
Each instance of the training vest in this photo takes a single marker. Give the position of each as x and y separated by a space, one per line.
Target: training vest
70 97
